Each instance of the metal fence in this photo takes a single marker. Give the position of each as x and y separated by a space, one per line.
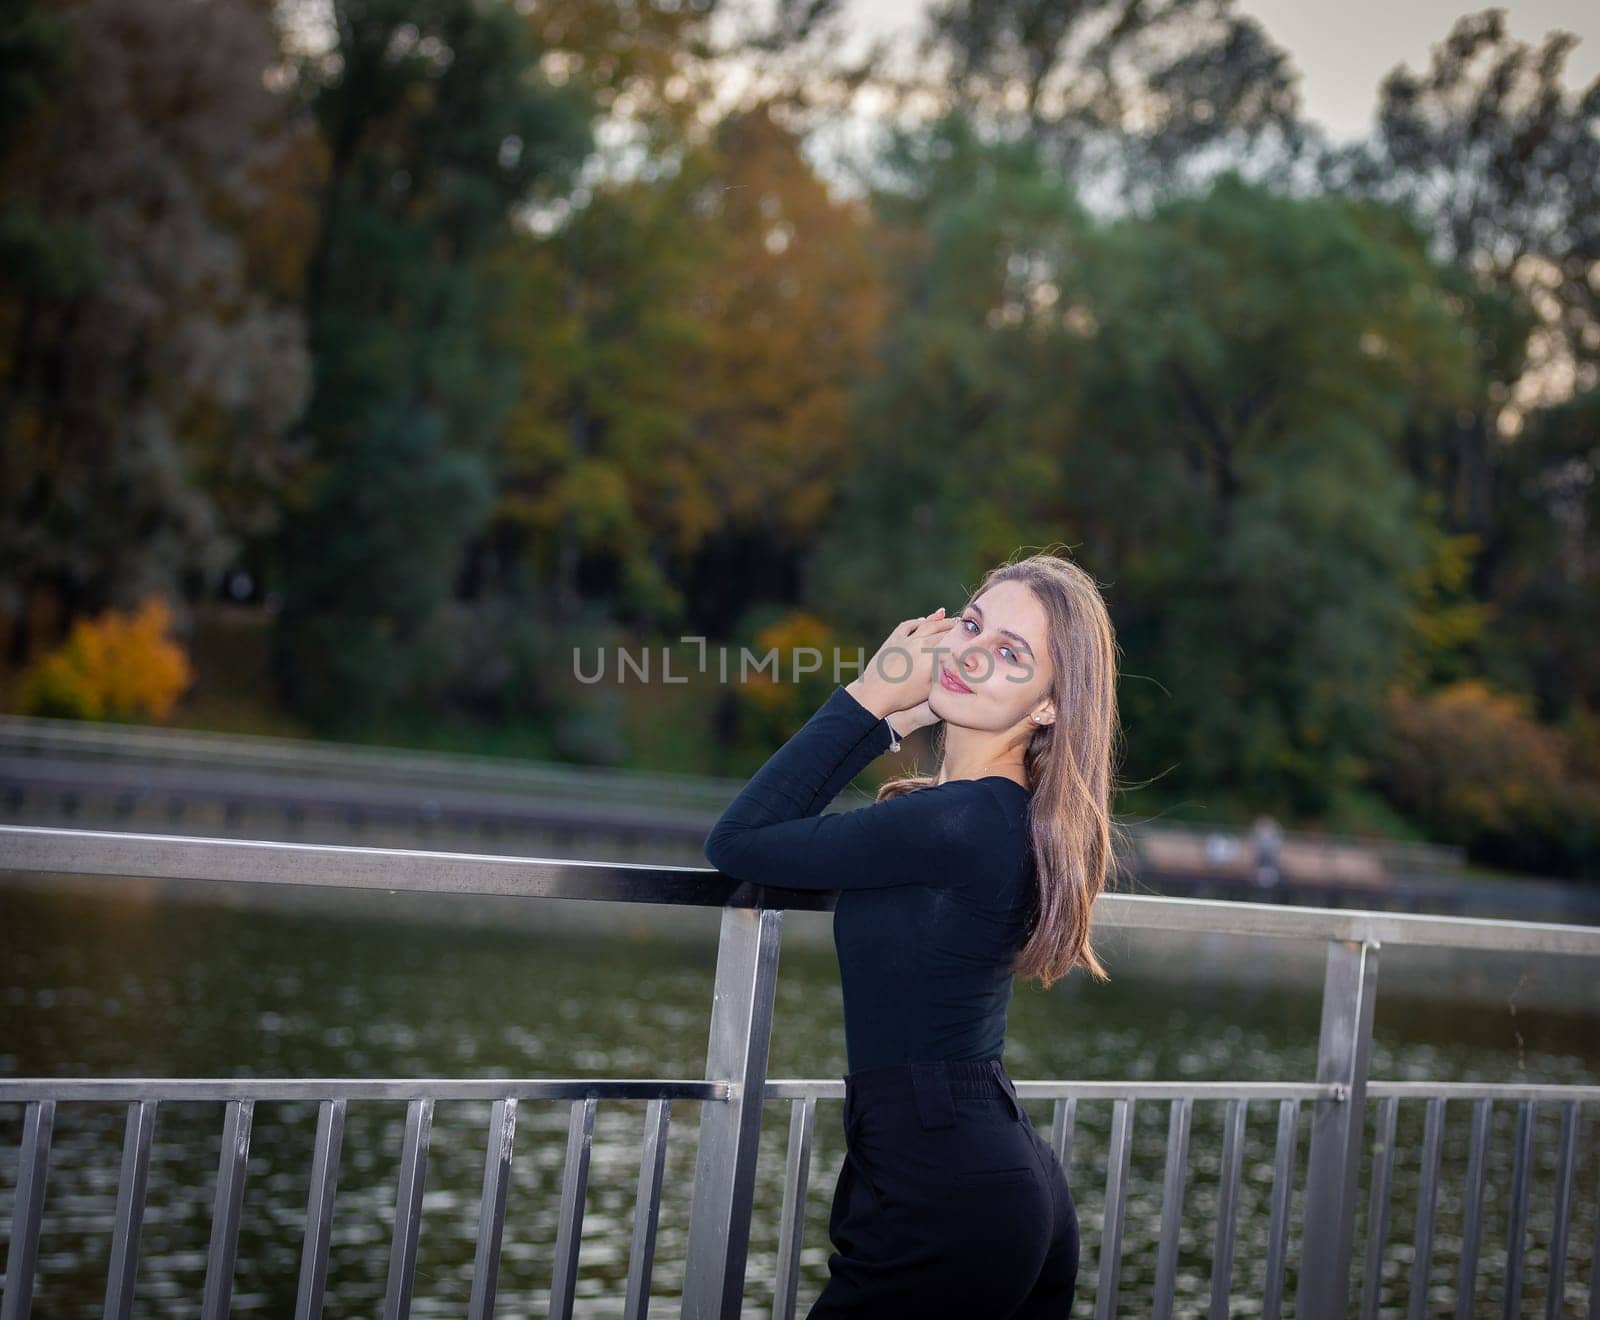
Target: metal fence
735 1087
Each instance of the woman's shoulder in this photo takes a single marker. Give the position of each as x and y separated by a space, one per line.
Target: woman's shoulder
982 806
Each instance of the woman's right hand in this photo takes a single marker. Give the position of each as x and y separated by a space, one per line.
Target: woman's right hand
901 674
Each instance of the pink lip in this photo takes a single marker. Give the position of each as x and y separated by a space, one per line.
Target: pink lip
949 680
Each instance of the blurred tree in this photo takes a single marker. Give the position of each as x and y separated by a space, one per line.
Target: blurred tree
811 59
601 317
774 702
1469 764
794 305
963 433
689 346
637 58
1155 394
1278 545
1545 592
1152 85
1448 621
1500 163
438 126
151 357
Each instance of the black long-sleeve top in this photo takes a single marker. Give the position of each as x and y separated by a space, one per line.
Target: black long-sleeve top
936 886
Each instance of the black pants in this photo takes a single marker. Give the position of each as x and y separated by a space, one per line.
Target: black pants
949 1203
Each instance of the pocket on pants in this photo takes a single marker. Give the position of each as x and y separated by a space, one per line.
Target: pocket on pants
871 1184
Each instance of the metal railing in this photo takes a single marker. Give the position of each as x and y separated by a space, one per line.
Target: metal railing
735 1086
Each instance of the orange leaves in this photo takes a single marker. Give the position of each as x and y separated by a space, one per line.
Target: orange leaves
116 666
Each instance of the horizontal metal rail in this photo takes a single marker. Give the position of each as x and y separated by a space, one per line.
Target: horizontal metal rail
257 861
15 1089
171 856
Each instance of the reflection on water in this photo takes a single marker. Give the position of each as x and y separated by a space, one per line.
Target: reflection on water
104 983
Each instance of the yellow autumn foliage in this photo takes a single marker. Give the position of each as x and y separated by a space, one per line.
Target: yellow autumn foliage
787 637
117 666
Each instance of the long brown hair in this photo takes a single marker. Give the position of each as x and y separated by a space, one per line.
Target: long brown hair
1070 767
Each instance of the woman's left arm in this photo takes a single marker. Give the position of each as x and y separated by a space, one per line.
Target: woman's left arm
773 833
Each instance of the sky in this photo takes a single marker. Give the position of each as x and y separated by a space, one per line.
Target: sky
1343 50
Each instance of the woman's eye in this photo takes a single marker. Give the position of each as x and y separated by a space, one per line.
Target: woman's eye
1014 658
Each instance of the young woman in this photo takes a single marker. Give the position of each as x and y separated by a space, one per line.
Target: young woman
949 1203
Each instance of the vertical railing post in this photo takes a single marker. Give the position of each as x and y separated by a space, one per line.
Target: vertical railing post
725 1162
27 1209
1344 1048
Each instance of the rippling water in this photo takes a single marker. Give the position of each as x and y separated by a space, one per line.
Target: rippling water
114 983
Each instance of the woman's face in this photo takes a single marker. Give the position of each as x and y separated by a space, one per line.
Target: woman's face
997 669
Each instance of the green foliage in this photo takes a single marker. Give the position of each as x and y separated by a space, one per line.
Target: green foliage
364 590
1448 622
1263 357
1209 402
1544 580
438 126
964 431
